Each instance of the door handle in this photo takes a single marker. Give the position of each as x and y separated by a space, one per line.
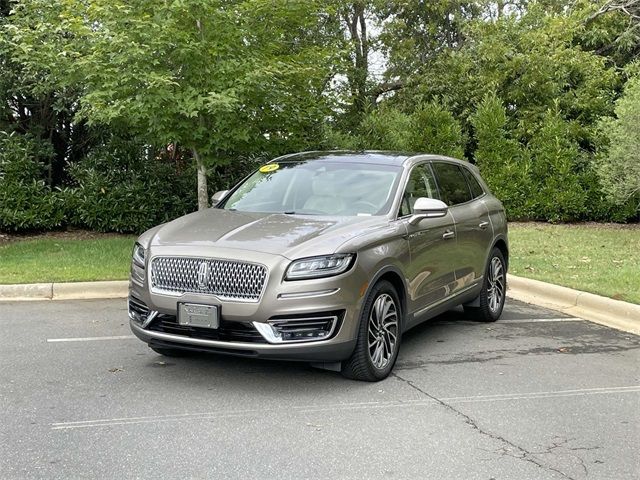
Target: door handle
483 225
448 235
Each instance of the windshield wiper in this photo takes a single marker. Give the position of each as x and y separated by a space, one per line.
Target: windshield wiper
291 212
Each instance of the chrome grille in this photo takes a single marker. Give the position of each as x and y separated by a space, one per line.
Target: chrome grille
226 279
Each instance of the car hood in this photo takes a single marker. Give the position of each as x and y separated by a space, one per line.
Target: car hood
292 236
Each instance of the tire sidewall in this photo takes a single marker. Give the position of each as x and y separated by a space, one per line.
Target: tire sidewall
382 287
484 299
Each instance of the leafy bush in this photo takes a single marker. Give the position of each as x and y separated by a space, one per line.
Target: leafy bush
431 128
504 164
225 175
549 177
123 187
385 129
26 202
619 164
435 130
558 194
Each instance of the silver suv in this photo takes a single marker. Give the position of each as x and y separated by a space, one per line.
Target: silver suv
325 257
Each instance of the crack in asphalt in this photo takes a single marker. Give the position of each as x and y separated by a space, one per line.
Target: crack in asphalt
521 453
563 443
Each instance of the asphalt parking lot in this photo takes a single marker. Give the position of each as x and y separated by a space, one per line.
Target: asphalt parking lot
533 396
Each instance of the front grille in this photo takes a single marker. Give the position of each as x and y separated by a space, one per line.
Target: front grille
226 279
227 332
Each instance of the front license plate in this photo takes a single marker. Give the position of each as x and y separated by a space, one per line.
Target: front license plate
195 315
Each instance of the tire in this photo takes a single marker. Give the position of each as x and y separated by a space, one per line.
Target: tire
376 350
170 352
494 289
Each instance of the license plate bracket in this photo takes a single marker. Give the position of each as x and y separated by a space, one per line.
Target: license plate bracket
199 315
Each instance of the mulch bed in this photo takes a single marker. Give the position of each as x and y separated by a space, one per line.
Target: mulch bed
70 234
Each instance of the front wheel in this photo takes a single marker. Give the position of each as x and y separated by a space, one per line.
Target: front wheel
379 336
494 290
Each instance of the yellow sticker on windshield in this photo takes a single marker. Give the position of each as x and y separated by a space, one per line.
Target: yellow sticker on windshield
271 167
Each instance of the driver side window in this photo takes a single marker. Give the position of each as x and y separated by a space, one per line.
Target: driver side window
421 184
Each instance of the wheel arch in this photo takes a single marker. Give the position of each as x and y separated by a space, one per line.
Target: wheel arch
501 245
395 278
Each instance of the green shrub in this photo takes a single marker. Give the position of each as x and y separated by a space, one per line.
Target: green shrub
549 178
619 162
558 194
385 129
26 202
431 128
225 175
504 164
435 130
123 187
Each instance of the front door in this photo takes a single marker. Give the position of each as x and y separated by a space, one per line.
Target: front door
430 273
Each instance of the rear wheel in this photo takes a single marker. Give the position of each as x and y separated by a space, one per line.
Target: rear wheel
494 290
379 336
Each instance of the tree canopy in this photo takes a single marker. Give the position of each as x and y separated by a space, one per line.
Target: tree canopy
540 94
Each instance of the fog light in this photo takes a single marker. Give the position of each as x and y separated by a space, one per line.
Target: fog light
297 330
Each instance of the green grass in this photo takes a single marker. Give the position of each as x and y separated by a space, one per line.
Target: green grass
65 260
599 259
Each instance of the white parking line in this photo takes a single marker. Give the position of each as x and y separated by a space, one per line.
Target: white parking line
107 422
90 339
549 394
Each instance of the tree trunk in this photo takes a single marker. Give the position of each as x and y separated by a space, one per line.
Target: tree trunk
203 200
354 17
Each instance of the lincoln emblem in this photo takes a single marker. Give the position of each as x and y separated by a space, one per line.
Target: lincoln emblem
203 275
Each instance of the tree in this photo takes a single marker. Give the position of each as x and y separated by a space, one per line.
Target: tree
217 77
32 105
619 167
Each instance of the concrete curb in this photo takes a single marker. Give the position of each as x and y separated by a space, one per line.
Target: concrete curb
64 291
605 311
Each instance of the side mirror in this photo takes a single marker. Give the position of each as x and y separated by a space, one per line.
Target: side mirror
427 208
216 197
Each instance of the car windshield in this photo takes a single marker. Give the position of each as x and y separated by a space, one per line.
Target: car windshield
317 188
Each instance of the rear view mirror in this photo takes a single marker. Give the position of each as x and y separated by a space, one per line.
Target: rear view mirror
427 208
216 197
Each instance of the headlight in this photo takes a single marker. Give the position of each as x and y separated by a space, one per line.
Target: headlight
317 267
138 255
137 264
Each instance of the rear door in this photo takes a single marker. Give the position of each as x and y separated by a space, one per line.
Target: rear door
474 234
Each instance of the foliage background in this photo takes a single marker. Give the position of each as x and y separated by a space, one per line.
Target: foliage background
116 116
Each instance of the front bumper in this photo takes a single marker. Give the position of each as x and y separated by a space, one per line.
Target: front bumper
280 300
321 351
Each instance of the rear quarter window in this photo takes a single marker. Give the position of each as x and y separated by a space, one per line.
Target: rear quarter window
474 186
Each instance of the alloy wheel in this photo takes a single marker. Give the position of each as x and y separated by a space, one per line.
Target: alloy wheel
383 331
496 287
